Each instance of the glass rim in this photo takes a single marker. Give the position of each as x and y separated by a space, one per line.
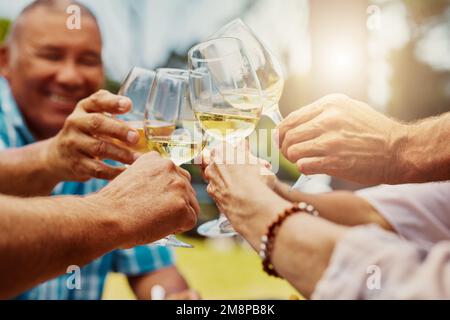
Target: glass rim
207 42
181 74
127 77
226 26
264 48
133 70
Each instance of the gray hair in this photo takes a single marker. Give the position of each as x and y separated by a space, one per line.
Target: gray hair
52 5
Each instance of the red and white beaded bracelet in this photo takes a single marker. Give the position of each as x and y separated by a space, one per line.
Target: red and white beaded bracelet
268 240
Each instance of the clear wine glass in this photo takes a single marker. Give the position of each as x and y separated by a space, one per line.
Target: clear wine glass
226 98
171 128
136 86
267 68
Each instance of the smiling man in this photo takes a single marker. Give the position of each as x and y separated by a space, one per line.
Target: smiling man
54 136
51 68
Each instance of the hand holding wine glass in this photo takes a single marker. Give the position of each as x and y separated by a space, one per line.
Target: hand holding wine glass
77 152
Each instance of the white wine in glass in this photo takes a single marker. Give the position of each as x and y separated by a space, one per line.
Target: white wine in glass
136 86
162 138
223 126
171 128
235 115
226 98
267 68
141 146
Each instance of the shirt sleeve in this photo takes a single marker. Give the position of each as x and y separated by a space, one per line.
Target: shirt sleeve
142 259
3 133
371 263
417 212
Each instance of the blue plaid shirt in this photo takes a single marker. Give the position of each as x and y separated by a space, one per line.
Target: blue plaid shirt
139 260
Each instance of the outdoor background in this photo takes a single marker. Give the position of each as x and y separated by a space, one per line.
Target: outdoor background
393 54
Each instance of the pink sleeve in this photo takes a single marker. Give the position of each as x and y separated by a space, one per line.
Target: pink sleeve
418 212
371 263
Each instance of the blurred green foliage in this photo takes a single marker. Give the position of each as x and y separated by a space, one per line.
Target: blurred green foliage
4 27
111 85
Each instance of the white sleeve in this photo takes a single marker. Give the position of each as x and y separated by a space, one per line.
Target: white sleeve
418 212
371 263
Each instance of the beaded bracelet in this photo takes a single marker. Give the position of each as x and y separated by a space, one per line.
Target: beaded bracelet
268 240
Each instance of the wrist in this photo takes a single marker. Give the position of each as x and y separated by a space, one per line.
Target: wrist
263 214
411 155
48 160
396 151
108 220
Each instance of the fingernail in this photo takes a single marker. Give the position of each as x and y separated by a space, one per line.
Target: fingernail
123 104
276 138
132 137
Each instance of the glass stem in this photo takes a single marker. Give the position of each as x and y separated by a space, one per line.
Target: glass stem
274 114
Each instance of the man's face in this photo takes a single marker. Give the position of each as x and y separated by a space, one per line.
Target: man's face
50 68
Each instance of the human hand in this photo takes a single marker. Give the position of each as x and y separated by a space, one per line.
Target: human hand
151 199
238 154
344 138
77 151
242 192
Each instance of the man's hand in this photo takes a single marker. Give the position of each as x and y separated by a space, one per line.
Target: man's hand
151 199
76 153
344 138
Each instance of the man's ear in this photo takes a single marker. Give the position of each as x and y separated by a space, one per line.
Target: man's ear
4 60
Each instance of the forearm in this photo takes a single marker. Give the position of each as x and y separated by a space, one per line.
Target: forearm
303 244
41 237
303 248
424 155
341 207
25 171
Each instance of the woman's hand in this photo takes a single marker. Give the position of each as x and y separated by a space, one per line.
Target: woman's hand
241 186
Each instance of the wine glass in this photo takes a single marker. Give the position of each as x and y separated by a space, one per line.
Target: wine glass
226 98
171 128
136 86
267 68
